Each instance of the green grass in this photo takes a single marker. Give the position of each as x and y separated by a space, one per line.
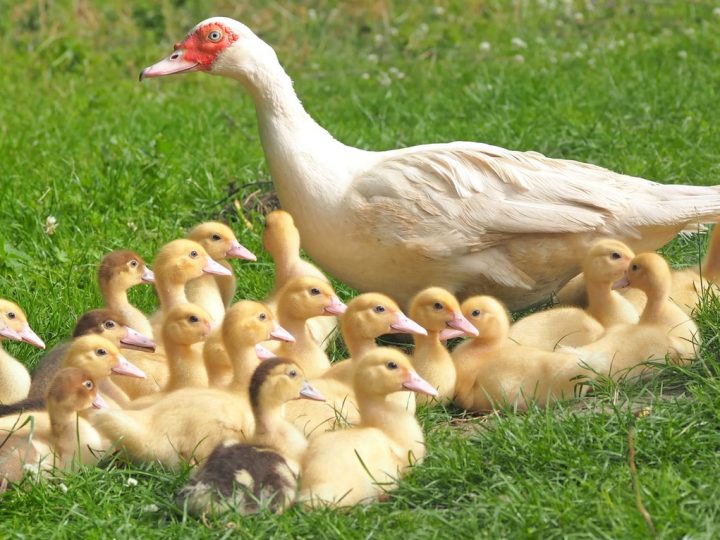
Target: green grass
631 85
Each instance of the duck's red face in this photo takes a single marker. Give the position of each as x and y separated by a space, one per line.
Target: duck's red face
196 53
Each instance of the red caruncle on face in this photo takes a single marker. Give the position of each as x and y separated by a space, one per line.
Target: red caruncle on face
203 45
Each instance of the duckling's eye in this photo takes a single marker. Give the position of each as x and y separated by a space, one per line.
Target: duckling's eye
101 352
216 237
133 263
215 36
109 324
11 315
314 291
615 255
635 267
475 313
437 306
194 254
379 309
193 319
88 384
391 365
262 317
292 373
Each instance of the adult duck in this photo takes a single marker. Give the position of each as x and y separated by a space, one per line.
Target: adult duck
470 217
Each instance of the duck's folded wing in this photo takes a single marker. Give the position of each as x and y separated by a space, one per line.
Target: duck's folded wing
457 198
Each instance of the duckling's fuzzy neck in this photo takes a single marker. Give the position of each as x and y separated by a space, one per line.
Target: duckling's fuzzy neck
244 361
599 294
273 430
428 349
109 389
62 419
186 368
377 411
656 306
114 295
357 345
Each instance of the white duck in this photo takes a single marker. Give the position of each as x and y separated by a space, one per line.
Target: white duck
469 217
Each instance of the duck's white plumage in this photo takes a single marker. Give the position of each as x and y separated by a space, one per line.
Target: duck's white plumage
469 217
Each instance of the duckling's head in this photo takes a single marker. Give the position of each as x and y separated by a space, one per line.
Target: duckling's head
280 234
437 310
371 315
186 324
99 357
278 380
111 325
384 370
73 389
247 323
219 241
123 269
306 297
606 261
650 273
489 316
182 260
14 318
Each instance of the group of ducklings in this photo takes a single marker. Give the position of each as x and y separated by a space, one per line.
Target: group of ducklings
247 389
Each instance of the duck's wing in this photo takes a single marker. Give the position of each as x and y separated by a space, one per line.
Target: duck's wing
457 198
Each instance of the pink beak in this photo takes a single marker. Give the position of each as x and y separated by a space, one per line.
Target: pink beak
308 392
9 333
459 322
263 353
99 402
148 275
279 333
238 251
622 282
173 64
28 336
336 307
417 384
214 267
124 367
136 339
403 324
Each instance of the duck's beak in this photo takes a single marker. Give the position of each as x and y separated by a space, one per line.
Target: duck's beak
214 267
172 65
148 275
279 333
336 307
238 251
308 392
416 383
459 322
622 282
28 336
125 367
99 402
263 353
9 333
404 324
133 338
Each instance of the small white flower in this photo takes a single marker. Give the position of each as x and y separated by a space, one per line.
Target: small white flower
384 79
312 14
591 62
485 46
682 55
566 56
62 487
372 58
438 10
150 508
423 29
395 72
131 225
131 482
379 39
716 11
393 31
579 17
519 58
365 76
51 224
518 43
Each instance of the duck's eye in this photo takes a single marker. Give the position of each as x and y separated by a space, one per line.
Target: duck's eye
475 312
391 365
88 385
193 318
379 309
109 324
292 373
635 267
101 352
314 291
615 255
216 237
11 315
215 36
262 317
437 306
133 264
194 254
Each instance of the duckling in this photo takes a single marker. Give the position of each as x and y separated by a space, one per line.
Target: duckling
282 240
360 464
246 478
120 270
214 293
14 377
436 310
183 327
604 264
664 329
494 371
303 298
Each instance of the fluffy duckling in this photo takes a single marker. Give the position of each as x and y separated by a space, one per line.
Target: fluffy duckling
493 371
119 271
246 478
436 310
282 240
604 264
359 464
301 299
57 437
663 330
14 377
214 293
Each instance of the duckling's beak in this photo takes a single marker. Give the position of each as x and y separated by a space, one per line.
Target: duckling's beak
28 336
9 333
622 282
263 353
173 64
279 333
124 367
336 307
238 251
214 267
416 383
403 324
148 275
308 392
459 322
136 339
99 402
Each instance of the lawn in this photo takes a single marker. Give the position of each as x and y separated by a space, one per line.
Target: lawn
630 85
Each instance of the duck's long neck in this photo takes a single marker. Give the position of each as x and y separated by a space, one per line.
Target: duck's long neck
115 297
393 420
273 430
186 367
428 349
244 361
170 293
108 388
305 351
656 307
204 292
61 421
357 345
